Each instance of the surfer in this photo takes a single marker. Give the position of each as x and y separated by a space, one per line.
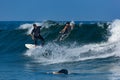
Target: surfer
62 71
36 34
65 31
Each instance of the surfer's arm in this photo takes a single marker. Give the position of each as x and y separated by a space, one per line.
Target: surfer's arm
62 31
32 34
40 26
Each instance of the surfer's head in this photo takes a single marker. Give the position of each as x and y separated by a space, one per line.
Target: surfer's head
67 22
34 25
63 71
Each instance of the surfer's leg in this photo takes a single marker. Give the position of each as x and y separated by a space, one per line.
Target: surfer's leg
60 36
35 40
41 38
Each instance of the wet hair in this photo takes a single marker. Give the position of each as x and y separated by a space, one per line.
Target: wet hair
67 22
34 25
64 71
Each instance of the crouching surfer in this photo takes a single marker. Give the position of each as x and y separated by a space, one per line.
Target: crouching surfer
64 33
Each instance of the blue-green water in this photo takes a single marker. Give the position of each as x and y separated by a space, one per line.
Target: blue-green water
90 52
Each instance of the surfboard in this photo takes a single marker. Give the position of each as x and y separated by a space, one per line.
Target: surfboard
31 46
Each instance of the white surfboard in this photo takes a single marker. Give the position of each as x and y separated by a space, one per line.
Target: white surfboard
31 46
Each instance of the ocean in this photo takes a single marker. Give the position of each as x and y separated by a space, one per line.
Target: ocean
90 52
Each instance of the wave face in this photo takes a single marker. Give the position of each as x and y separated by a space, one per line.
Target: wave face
88 40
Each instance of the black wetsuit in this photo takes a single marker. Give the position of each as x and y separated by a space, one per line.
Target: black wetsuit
64 71
36 33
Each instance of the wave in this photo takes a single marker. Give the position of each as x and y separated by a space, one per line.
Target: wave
106 47
88 40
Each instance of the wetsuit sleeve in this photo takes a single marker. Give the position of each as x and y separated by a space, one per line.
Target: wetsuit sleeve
32 31
40 26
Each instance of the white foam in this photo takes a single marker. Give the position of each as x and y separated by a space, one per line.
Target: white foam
114 29
65 54
57 53
115 70
26 26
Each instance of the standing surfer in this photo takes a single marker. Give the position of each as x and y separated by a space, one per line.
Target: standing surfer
36 34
